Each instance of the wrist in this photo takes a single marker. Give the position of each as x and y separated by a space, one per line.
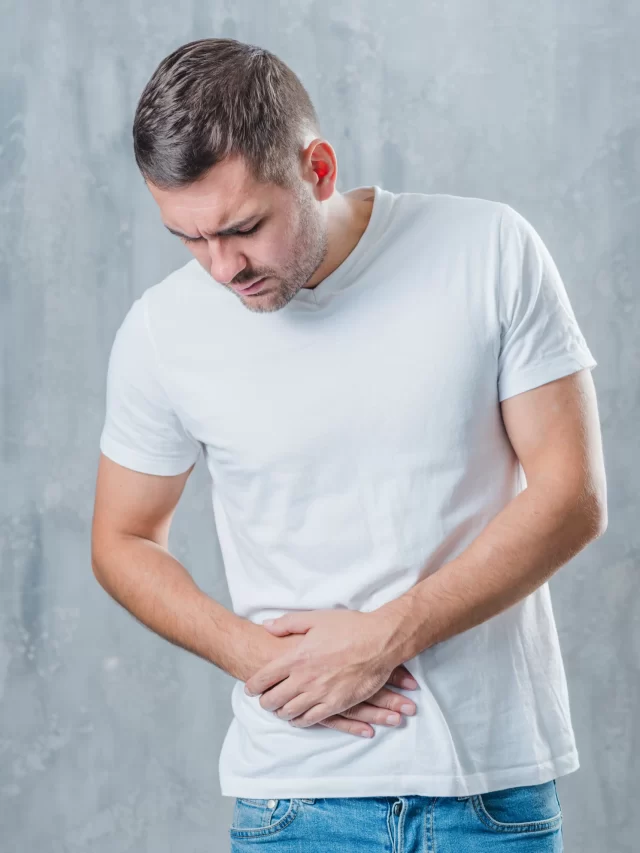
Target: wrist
395 628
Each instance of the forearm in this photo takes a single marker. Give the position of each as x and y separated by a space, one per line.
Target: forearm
160 593
522 546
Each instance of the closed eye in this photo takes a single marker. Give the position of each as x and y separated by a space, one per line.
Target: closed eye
231 234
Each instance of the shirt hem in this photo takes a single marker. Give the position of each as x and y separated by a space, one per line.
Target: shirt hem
392 786
143 464
541 374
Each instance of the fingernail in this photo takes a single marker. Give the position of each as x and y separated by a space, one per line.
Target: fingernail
366 734
393 718
407 709
409 682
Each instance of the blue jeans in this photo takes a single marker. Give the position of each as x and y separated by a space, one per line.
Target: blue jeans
526 819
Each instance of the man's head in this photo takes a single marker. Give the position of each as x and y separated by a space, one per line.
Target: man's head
225 133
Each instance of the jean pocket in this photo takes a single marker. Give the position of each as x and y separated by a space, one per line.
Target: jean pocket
527 808
255 818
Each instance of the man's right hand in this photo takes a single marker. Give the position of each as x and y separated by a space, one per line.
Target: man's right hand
384 703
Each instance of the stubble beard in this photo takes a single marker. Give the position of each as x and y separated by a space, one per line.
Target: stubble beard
311 247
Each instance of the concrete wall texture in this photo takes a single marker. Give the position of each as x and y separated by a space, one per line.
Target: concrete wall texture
109 735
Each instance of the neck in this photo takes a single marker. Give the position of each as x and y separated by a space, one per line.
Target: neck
347 217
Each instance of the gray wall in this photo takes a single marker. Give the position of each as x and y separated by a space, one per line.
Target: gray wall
109 736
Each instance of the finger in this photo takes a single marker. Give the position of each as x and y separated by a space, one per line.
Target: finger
271 674
350 727
316 714
385 698
364 712
290 623
401 677
284 700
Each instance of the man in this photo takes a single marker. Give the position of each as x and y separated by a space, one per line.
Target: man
372 378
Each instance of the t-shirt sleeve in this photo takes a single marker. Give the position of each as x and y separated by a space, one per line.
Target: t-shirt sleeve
540 339
141 430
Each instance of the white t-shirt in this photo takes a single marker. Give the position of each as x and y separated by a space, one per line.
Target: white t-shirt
355 444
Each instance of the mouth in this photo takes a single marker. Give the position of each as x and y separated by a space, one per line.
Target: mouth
251 288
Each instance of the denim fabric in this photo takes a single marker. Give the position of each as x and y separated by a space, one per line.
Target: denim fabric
526 819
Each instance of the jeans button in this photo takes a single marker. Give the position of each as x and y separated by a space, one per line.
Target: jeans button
397 808
271 803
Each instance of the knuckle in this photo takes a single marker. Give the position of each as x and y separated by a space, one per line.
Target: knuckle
302 656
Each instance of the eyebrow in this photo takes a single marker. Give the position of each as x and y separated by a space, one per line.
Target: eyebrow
225 232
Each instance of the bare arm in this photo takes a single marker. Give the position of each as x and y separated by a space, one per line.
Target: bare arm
555 432
130 559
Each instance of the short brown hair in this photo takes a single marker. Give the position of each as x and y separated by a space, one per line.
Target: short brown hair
217 97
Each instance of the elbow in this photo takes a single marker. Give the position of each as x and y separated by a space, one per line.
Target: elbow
602 522
583 513
95 567
102 577
97 563
595 516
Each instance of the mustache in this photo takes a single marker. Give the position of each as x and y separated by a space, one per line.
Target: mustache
249 279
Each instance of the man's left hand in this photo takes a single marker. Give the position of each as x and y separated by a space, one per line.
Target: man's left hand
344 659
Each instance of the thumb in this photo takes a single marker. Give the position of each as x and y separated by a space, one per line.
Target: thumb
290 623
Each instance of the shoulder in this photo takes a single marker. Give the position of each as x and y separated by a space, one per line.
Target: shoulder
171 305
448 215
451 204
177 289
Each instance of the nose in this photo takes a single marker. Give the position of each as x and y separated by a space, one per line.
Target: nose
225 263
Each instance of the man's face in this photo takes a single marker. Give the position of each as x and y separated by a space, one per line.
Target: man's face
283 236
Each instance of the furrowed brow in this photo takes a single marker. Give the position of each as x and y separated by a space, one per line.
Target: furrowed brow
225 232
